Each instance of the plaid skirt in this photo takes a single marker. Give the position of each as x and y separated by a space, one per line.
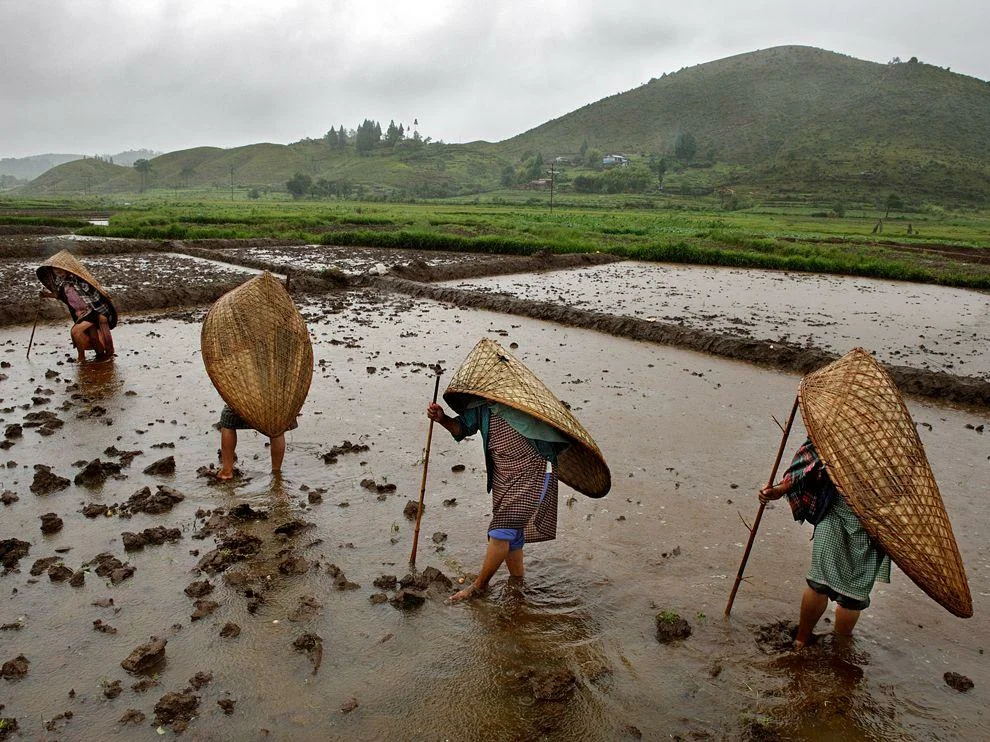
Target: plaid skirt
231 420
844 557
523 495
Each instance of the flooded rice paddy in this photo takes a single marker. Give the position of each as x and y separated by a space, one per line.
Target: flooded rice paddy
570 654
930 327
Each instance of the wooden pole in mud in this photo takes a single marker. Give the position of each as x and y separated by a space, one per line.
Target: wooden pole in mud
37 314
426 468
759 513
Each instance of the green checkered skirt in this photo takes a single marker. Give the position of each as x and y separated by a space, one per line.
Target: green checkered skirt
844 557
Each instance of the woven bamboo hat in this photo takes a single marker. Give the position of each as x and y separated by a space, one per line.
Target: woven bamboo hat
491 373
68 262
258 354
864 434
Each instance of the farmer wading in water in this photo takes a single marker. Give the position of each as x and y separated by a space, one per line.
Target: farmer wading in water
521 457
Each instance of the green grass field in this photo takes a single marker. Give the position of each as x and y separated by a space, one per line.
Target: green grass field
683 230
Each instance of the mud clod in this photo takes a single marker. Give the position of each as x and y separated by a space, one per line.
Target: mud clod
51 523
45 482
777 636
386 582
173 708
145 656
150 536
11 551
201 679
96 472
15 669
671 627
203 608
59 573
312 645
234 548
411 510
112 690
199 589
227 705
162 467
132 716
162 501
230 630
408 598
958 682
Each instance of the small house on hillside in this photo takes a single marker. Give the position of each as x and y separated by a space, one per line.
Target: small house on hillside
614 161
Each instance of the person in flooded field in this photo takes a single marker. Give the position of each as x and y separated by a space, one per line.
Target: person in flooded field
845 561
520 459
90 314
230 423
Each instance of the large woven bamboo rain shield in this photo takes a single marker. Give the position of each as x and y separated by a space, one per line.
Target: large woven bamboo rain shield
864 434
70 263
258 354
491 373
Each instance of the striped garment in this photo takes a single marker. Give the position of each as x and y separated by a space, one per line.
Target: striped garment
524 493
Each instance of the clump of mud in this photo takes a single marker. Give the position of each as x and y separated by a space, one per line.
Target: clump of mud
777 636
671 627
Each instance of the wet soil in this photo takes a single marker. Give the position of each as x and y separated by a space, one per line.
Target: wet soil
570 654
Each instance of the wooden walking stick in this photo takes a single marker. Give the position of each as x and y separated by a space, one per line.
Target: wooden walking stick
426 468
759 513
35 327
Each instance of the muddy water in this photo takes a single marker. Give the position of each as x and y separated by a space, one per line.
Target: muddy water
928 327
689 440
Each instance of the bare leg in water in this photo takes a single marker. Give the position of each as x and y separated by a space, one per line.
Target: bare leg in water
228 444
813 605
496 553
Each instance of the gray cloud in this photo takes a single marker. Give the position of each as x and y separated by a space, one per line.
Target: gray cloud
103 75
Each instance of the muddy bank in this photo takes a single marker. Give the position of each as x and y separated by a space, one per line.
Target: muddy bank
419 271
962 390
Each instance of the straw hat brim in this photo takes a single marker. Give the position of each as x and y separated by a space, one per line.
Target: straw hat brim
70 263
258 354
491 373
864 434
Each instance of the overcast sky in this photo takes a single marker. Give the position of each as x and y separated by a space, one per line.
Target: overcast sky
102 76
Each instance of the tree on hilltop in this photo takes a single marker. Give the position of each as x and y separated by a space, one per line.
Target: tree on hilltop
143 167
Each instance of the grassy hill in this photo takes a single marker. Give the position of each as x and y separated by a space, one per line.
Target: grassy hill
799 118
791 123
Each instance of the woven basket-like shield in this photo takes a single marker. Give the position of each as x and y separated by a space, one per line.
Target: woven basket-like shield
491 373
864 434
258 354
68 262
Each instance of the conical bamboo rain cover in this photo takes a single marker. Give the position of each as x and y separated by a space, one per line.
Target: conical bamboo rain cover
491 373
258 354
68 262
864 434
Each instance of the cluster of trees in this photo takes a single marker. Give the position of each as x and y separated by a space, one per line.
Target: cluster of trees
630 179
369 136
301 185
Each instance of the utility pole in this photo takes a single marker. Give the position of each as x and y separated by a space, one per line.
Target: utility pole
552 172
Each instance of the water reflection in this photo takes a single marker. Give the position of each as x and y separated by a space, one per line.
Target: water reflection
99 379
826 695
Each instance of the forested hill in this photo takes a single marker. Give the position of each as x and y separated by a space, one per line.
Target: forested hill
792 121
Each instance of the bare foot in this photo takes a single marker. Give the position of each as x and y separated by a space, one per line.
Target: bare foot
467 593
225 475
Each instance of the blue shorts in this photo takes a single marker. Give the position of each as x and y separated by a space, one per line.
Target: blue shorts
513 535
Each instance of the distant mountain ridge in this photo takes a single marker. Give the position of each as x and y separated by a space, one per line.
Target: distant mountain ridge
29 168
792 120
